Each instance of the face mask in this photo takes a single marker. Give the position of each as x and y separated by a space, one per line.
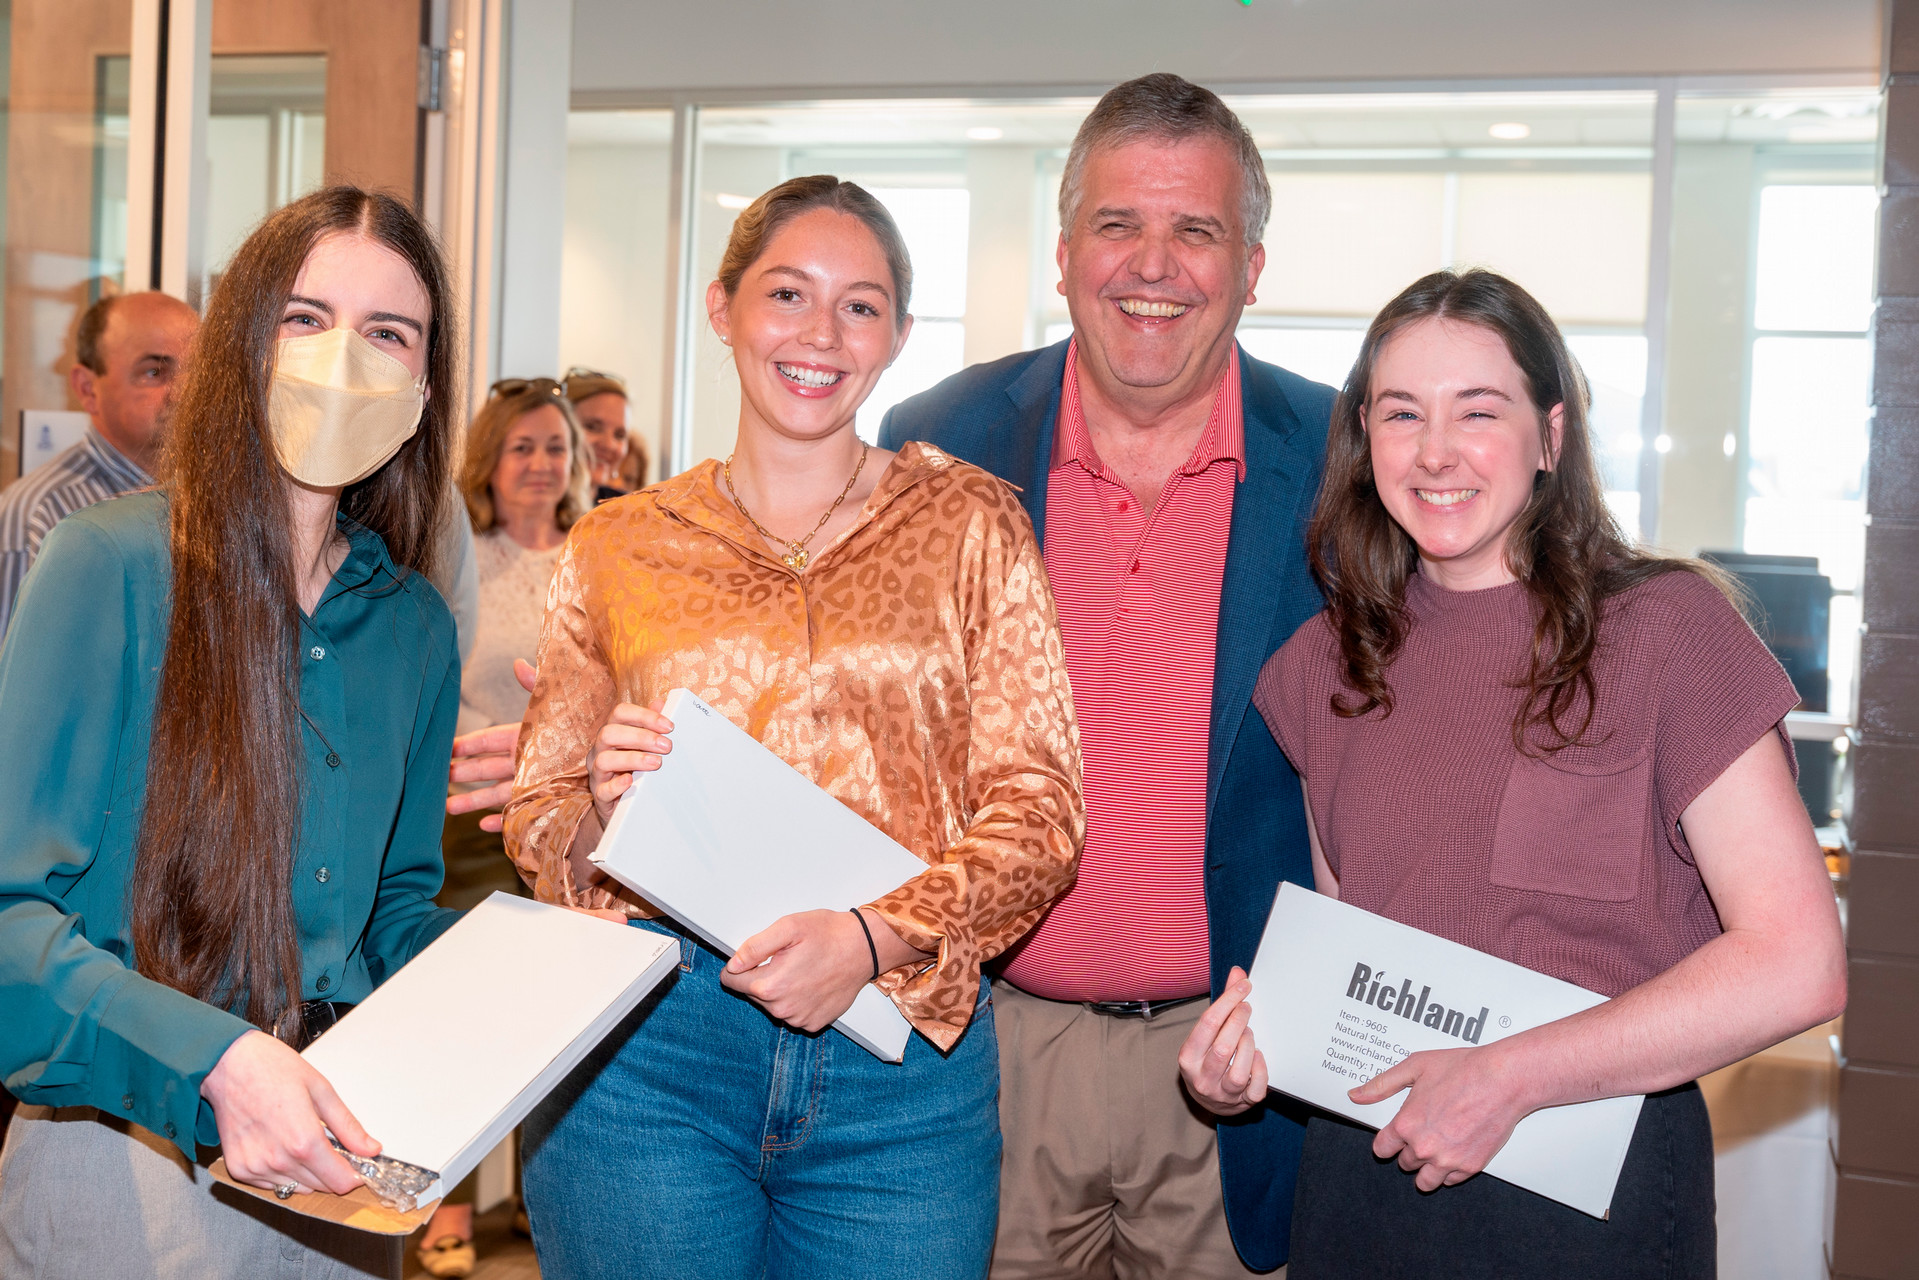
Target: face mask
339 407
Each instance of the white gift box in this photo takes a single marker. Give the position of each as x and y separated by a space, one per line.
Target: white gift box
726 838
449 1054
1341 994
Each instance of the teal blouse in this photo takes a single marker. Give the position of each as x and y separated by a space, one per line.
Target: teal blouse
380 686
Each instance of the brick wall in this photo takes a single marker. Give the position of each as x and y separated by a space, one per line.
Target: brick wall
1873 1232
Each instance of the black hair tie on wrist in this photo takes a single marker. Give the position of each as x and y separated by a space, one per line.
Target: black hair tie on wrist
871 949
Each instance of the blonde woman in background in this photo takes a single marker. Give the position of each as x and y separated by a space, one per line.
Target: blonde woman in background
525 480
634 466
618 457
528 475
482 771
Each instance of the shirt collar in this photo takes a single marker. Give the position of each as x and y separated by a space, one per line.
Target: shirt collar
122 472
1224 439
368 568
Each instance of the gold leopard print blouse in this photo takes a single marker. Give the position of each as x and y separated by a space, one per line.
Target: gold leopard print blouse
913 670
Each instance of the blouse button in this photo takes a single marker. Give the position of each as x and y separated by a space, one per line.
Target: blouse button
127 1102
323 983
317 653
332 760
323 875
170 1131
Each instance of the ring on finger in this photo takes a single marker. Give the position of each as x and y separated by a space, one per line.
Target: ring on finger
285 1190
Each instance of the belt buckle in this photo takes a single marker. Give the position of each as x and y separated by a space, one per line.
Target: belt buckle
1141 1009
316 1017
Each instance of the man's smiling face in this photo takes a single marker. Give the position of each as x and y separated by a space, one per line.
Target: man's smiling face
1155 266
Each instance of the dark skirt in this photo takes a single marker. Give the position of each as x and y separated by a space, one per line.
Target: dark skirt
1355 1215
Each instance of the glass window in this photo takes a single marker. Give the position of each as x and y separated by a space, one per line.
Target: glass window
109 242
1815 257
1807 448
1615 369
266 144
1344 243
613 307
1576 240
1810 391
1322 354
933 221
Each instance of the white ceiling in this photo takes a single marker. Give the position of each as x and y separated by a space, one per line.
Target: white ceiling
628 47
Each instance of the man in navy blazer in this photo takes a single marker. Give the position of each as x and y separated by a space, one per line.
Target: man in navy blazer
1108 1167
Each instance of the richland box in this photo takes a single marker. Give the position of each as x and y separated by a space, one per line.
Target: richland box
1341 994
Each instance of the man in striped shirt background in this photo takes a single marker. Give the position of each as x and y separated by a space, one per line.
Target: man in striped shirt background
128 350
1170 476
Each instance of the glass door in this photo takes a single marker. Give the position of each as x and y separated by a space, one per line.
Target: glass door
63 146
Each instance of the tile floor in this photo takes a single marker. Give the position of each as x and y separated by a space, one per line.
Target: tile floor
1771 1117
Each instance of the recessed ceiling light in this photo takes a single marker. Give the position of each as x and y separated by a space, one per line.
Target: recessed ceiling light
985 133
727 200
1511 131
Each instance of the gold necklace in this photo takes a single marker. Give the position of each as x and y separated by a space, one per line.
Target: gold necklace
796 554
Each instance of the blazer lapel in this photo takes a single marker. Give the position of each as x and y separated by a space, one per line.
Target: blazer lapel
1266 574
1022 454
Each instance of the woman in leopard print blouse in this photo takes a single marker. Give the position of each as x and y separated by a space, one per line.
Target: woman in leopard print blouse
905 656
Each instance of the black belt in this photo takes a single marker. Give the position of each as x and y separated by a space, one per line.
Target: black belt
1146 1010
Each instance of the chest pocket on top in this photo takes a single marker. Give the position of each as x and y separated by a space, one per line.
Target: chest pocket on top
1574 830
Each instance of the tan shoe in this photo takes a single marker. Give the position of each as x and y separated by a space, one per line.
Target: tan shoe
448 1256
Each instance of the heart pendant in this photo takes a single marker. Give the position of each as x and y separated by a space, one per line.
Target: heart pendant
796 561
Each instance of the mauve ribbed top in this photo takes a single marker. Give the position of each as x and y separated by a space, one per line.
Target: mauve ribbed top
1570 863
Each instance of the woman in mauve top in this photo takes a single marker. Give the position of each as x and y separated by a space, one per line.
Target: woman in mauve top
882 623
1519 731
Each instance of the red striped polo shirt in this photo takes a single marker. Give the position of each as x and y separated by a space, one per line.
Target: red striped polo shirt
1138 598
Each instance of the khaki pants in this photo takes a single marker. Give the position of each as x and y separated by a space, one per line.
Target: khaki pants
1109 1171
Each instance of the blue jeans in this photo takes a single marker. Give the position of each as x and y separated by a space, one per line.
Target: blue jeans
703 1140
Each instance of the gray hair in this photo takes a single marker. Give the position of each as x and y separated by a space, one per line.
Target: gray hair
1167 108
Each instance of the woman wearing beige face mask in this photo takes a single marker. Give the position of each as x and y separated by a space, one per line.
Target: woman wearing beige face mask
225 708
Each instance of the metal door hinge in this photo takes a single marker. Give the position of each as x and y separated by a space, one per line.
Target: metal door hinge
432 77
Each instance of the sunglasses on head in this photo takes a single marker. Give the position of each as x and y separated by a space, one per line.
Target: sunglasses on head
516 386
584 374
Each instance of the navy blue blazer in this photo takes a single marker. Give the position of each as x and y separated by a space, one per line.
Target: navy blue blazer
1001 416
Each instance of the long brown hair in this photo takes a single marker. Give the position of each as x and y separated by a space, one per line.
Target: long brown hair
211 893
486 437
1564 545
